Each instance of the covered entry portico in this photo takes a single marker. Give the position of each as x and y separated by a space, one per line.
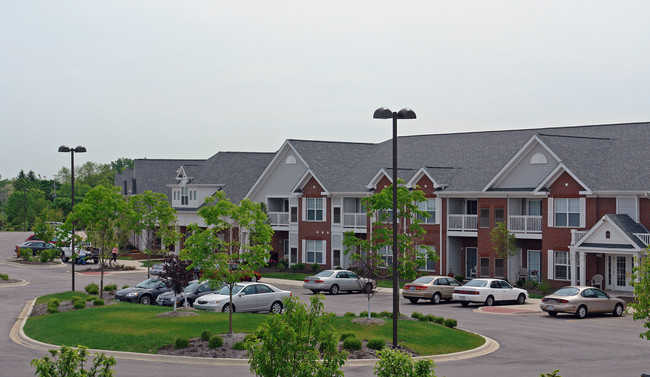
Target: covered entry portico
608 249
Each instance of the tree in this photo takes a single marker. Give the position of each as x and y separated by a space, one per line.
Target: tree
152 217
121 163
395 363
300 342
104 215
236 242
503 242
69 362
178 274
641 284
42 231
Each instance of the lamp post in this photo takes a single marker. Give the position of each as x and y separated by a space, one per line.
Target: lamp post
385 113
66 149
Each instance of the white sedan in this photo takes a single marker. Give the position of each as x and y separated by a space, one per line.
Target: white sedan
246 297
489 291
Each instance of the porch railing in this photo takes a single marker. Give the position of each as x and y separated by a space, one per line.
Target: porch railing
355 220
279 218
525 224
463 223
644 237
576 235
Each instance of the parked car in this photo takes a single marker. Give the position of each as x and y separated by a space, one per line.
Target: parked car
489 291
335 281
32 237
83 250
246 297
145 292
432 288
193 291
35 246
580 301
157 269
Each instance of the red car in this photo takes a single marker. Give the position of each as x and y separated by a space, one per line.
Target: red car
32 237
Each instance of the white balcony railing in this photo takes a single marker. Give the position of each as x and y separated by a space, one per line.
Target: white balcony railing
644 237
355 220
576 235
279 218
463 223
525 224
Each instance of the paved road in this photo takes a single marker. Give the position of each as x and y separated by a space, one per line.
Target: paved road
529 343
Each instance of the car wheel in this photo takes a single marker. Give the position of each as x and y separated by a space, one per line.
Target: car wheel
581 312
276 307
145 300
618 310
226 308
521 299
334 289
552 314
64 259
436 298
414 300
314 291
489 301
464 303
96 261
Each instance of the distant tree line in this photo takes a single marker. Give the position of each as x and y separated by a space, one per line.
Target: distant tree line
29 196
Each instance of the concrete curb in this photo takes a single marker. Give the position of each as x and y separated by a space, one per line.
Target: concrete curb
16 284
18 336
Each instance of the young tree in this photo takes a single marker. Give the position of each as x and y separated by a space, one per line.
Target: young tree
503 242
70 362
236 242
178 273
42 230
153 217
641 283
104 216
300 342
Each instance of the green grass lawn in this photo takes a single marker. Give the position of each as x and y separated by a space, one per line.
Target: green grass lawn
136 328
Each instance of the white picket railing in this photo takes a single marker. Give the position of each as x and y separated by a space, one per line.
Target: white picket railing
279 218
525 224
463 223
355 220
644 237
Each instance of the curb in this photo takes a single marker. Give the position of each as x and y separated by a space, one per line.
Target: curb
16 284
18 336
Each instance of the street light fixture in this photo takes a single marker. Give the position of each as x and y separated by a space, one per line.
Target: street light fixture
66 149
385 113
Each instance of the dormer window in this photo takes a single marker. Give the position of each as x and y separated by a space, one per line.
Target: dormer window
608 235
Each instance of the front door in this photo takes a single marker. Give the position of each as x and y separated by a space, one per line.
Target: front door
619 272
534 265
471 262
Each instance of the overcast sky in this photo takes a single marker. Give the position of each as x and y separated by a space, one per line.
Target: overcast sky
186 79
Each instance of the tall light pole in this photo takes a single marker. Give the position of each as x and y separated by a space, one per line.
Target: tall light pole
66 149
385 113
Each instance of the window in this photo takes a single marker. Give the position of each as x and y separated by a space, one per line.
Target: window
336 260
428 206
314 209
562 270
184 196
294 215
485 218
498 216
499 268
471 207
485 267
386 254
567 212
336 219
534 207
315 251
429 264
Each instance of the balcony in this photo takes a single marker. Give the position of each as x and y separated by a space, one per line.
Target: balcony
576 235
462 223
279 218
644 237
525 224
355 220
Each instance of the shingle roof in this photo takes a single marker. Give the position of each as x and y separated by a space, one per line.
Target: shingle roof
155 175
629 227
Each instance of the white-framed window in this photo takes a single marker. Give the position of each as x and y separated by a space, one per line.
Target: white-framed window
429 264
314 209
184 196
562 265
428 206
386 254
315 251
567 212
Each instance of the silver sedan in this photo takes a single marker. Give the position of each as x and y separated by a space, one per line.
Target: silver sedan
335 281
246 297
581 300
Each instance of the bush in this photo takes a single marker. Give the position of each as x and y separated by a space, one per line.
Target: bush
4 276
363 314
181 343
215 342
396 363
530 285
91 298
451 323
71 361
346 335
98 302
26 254
315 267
78 302
206 335
125 286
423 318
376 344
439 320
44 256
545 287
92 289
298 266
110 287
416 315
460 278
352 343
53 305
239 346
386 314
282 265
349 314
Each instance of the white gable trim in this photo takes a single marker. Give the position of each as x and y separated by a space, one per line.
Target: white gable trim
555 174
418 175
278 159
507 168
605 221
381 173
305 178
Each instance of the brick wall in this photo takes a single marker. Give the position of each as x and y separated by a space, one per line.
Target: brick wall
315 230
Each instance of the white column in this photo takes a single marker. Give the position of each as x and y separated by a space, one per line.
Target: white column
572 256
583 268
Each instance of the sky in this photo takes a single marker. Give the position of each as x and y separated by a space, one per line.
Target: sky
186 79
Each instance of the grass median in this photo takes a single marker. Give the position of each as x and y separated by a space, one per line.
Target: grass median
137 328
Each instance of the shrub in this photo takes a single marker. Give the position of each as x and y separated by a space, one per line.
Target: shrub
352 343
315 267
460 278
298 266
53 305
423 318
98 302
215 342
545 287
91 298
239 346
45 256
349 314
110 287
346 335
530 285
376 344
181 343
451 323
363 314
386 314
439 320
4 276
125 286
374 314
26 254
71 361
206 335
92 289
416 315
396 363
282 264
78 302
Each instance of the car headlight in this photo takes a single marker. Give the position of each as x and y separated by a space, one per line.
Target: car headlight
132 294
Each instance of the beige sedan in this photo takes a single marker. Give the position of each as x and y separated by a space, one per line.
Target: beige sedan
580 301
432 288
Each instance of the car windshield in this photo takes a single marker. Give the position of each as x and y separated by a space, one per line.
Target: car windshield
149 283
423 280
226 291
476 283
567 291
326 273
192 286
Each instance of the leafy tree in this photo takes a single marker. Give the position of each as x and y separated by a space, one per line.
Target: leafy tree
178 273
300 342
120 164
23 207
641 284
395 363
503 242
236 242
42 230
151 216
69 362
104 215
